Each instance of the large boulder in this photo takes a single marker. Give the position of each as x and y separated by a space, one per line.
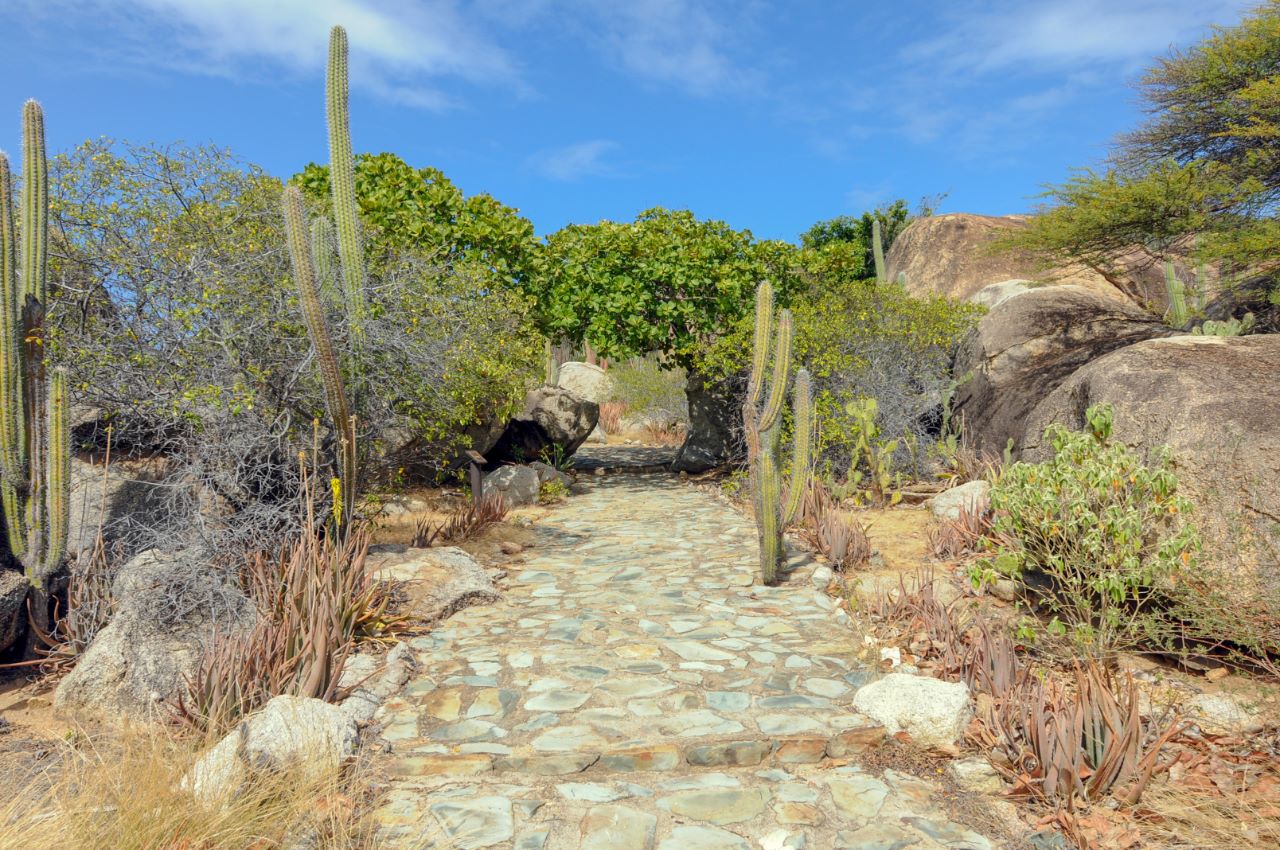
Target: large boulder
297 734
933 712
586 380
714 419
518 485
168 607
553 422
440 582
13 609
1029 344
955 255
122 500
1214 402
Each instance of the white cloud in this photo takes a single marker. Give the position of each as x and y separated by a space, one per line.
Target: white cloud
1020 36
573 162
396 48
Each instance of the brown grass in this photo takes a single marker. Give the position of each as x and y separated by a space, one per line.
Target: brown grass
1175 817
126 793
611 413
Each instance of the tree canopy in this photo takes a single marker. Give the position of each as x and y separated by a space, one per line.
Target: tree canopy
842 246
665 282
1201 173
420 210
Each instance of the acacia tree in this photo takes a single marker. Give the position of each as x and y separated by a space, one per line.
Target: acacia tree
1203 171
667 282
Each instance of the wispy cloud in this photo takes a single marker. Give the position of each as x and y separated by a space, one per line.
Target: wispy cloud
573 162
398 50
989 37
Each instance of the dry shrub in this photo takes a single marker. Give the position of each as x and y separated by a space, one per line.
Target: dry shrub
611 413
958 538
466 522
841 538
316 597
663 435
128 794
1184 819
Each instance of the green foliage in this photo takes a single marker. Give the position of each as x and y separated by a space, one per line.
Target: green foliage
650 389
419 210
552 491
862 342
1226 327
762 422
1103 533
871 477
844 247
35 442
1205 165
666 282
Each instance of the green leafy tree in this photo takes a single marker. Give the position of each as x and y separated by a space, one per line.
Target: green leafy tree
843 248
666 282
420 210
1201 174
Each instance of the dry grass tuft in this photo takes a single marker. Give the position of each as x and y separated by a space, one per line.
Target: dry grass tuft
1181 819
126 793
611 413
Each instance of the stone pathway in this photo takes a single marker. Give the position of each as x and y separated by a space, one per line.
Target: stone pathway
634 690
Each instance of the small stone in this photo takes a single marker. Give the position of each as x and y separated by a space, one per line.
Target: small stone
510 547
443 705
467 731
788 724
442 765
703 838
475 823
641 758
568 739
728 700
801 751
876 836
533 839
976 774
718 806
859 797
693 651
797 813
830 688
547 765
934 713
590 792
617 828
738 753
556 701
854 741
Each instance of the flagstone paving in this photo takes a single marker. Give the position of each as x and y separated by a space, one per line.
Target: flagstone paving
635 689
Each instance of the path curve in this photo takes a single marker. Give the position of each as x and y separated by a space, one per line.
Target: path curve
635 689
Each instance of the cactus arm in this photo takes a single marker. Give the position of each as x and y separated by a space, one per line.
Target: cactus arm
322 242
801 461
781 369
317 328
1177 294
760 347
877 250
58 489
342 182
12 436
35 203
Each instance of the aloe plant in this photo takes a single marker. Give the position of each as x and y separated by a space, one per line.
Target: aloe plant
763 426
35 444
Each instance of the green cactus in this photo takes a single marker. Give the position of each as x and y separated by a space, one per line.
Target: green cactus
1226 327
1177 316
552 364
322 242
877 250
342 184
35 443
313 312
763 427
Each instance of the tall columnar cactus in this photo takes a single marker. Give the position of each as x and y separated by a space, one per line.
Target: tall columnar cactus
322 256
342 184
763 426
1176 291
35 443
877 250
304 275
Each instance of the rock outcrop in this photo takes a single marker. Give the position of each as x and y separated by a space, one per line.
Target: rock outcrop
553 422
13 608
933 712
586 380
168 608
1029 344
1214 402
970 496
517 485
440 581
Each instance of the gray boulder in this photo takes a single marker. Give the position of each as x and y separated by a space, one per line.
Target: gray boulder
122 498
995 294
972 495
553 422
301 734
518 485
13 609
1029 344
441 581
168 607
933 712
1214 404
586 380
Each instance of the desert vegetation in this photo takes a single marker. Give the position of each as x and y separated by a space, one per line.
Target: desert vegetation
220 389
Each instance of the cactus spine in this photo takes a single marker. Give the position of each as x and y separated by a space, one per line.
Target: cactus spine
313 313
342 184
34 430
877 250
763 427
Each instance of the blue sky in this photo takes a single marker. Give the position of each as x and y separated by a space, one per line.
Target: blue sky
769 115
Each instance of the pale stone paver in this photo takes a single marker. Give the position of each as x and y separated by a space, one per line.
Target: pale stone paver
636 689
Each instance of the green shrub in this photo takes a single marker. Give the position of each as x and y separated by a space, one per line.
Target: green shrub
649 389
1099 535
